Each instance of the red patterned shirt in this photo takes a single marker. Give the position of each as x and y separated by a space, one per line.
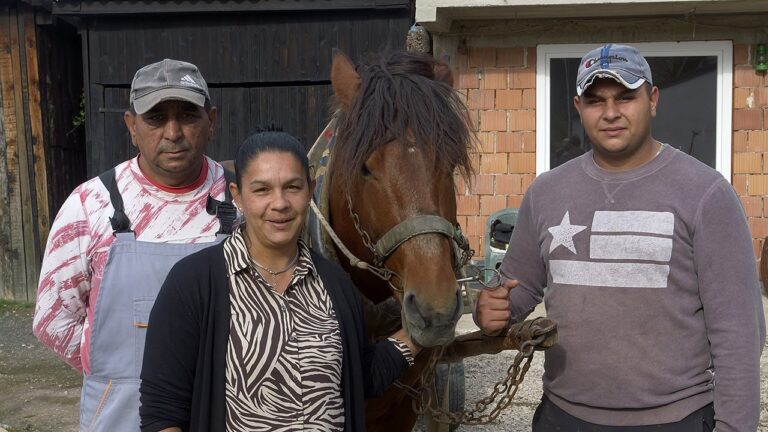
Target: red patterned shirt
80 238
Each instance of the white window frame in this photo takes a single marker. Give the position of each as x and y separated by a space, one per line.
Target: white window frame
723 50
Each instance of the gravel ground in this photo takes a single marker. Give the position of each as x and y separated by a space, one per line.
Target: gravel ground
39 393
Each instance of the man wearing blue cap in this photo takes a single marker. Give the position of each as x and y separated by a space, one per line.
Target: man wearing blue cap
643 256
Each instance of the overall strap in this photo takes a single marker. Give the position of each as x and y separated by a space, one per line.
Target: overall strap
119 220
224 210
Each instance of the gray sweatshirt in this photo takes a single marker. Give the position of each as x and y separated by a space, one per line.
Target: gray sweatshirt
650 274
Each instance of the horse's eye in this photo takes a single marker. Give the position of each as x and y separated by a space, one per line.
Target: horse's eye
366 171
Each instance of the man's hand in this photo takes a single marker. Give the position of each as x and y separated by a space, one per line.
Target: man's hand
492 313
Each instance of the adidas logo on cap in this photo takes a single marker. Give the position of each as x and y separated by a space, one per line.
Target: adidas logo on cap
187 80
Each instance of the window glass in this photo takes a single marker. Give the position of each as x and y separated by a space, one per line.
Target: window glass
685 118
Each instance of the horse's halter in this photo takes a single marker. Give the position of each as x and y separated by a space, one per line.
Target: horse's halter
402 232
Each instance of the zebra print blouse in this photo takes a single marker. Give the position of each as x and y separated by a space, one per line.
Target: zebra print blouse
284 358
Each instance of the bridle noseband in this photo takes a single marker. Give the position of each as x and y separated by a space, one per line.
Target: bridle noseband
402 232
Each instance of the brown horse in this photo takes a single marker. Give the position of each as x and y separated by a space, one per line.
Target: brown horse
401 133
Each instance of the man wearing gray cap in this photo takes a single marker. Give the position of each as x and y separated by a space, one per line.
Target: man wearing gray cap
117 236
643 256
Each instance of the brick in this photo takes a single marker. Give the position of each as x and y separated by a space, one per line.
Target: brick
753 205
529 99
487 142
740 141
522 163
477 243
481 185
481 57
747 163
527 181
461 185
523 78
530 57
743 97
461 59
509 99
495 163
475 226
741 54
463 95
761 97
462 221
492 203
474 119
514 201
529 141
480 99
514 57
466 78
740 184
495 78
493 120
747 119
758 140
474 161
509 142
765 116
756 185
757 245
522 120
758 227
746 76
467 205
509 184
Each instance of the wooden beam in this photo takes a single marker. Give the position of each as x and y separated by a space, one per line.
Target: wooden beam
12 263
38 142
77 7
25 184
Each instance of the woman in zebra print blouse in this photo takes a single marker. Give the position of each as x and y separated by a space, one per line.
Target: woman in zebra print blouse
260 333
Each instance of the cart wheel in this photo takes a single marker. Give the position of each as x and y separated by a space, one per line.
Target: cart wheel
449 383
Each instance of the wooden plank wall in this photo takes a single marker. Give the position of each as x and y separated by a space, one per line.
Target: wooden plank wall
24 212
262 69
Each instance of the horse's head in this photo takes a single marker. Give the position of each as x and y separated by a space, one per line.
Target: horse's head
402 132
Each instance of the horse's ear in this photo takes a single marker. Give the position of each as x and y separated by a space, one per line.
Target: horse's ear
443 71
344 79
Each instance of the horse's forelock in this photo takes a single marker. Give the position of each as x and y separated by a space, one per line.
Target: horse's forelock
398 95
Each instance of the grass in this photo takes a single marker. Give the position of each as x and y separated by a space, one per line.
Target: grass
8 306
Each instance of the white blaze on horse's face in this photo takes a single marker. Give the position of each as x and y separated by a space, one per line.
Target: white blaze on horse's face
274 198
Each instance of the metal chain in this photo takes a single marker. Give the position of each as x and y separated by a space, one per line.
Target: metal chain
504 390
363 234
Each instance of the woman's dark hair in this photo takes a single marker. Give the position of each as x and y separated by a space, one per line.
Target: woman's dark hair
271 141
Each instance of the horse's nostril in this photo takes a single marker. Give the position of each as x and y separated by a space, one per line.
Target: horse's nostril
413 312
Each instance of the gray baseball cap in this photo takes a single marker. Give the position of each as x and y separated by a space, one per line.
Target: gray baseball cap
622 63
167 80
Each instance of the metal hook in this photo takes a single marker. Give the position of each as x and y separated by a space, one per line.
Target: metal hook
487 277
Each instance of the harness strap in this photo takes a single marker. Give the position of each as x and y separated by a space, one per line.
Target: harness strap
224 210
119 220
412 227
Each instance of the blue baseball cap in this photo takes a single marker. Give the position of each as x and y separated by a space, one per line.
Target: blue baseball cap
622 63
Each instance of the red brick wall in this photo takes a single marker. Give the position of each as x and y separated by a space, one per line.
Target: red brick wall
750 141
499 87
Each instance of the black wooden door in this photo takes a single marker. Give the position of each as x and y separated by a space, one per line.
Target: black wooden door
263 69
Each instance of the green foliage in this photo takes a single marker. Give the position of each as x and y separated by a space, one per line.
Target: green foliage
79 118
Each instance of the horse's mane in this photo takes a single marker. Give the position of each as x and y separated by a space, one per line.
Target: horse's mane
399 96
